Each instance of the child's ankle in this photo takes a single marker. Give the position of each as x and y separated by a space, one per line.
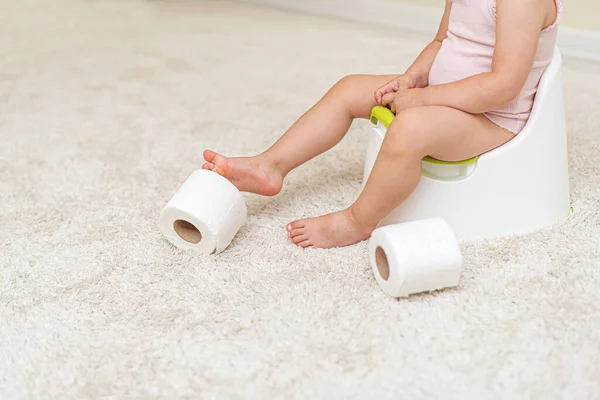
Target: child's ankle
365 227
272 163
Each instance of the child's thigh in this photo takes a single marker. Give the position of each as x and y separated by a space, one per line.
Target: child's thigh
449 134
358 92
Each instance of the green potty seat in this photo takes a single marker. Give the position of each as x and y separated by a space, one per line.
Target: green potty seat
386 116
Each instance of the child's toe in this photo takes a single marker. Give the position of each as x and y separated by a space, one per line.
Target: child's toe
296 232
209 155
299 224
299 239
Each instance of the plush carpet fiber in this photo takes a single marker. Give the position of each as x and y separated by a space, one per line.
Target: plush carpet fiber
105 108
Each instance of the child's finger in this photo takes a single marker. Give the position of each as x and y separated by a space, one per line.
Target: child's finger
386 91
392 88
388 98
378 96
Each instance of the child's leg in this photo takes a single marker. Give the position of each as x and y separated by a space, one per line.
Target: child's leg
442 132
318 130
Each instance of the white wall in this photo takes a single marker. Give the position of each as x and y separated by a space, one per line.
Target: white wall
580 14
579 35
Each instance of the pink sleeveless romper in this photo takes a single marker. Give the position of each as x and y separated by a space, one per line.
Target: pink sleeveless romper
468 51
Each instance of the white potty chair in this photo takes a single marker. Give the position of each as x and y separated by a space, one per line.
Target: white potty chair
516 188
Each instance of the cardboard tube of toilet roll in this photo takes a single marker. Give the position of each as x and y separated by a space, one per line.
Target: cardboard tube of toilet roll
205 214
415 257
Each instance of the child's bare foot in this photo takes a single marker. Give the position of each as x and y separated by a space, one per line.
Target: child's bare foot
249 174
332 230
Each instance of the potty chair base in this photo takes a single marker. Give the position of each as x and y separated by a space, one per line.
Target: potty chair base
517 188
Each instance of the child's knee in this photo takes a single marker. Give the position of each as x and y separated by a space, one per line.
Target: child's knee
347 91
405 136
345 88
348 81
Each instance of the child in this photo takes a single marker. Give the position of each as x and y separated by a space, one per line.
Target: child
469 91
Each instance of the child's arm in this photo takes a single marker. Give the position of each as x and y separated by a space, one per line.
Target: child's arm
519 25
419 70
417 75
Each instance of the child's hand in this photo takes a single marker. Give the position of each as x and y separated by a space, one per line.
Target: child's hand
393 86
403 99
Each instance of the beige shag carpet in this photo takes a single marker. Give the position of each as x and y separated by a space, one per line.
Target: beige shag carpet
105 107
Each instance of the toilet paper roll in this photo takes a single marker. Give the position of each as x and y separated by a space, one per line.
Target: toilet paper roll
205 213
414 257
